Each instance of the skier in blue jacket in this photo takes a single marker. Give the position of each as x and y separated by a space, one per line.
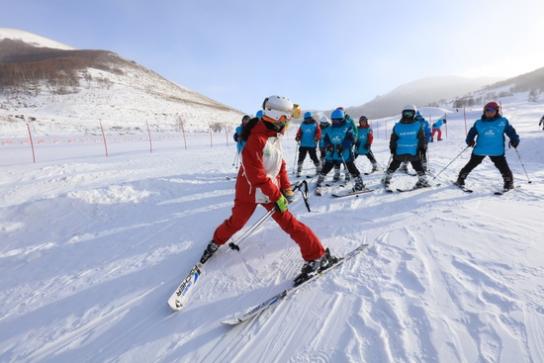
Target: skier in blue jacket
427 131
238 133
407 143
339 140
425 124
364 142
308 135
487 138
437 128
323 124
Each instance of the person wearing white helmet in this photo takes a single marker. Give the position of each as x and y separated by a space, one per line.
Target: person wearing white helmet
407 143
262 180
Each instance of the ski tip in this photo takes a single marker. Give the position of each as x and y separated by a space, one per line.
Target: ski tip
232 321
174 307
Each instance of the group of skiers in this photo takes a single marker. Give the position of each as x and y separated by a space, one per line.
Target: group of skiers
263 179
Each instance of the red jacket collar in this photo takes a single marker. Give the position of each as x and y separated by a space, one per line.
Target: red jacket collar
260 128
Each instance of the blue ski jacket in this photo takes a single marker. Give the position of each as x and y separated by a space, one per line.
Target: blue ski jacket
489 135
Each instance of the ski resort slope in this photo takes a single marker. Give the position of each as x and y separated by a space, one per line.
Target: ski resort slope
91 249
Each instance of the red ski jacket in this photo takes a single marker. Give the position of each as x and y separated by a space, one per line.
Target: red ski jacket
262 174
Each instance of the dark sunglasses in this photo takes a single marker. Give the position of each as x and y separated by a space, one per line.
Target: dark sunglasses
408 113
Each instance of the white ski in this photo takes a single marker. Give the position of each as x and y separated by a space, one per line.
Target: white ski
179 298
276 299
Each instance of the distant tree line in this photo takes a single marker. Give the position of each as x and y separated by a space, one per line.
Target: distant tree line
58 68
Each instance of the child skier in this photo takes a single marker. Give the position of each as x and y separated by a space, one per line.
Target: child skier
437 128
262 179
308 135
238 134
489 133
338 142
364 142
323 124
407 143
427 131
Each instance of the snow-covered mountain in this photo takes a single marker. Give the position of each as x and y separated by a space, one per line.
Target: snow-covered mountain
420 92
31 39
63 90
528 86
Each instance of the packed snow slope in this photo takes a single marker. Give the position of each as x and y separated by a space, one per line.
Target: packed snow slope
91 248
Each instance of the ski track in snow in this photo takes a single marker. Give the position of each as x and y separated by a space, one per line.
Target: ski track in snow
90 252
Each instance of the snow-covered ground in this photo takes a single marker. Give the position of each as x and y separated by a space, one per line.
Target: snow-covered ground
92 247
32 39
121 94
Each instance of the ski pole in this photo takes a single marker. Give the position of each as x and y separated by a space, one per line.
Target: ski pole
388 163
302 186
344 161
234 244
523 166
236 157
377 162
455 158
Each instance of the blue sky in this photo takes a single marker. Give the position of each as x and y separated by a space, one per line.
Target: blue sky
318 53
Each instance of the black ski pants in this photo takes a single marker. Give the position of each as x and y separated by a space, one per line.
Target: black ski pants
499 161
416 164
370 157
333 164
302 151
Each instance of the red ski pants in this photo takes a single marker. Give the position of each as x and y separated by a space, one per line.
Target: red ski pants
435 130
310 246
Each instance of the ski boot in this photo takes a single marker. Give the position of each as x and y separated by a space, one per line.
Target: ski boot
347 177
313 267
336 176
422 182
374 168
460 182
319 185
299 170
508 185
386 180
359 185
209 251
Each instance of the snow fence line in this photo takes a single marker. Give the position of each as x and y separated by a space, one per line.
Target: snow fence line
36 138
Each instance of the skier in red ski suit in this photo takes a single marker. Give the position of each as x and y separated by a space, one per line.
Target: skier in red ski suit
262 179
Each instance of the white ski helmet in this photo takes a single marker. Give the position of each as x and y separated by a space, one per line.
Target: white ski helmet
409 111
410 108
278 108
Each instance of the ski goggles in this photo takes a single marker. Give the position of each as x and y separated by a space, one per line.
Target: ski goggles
490 109
408 113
